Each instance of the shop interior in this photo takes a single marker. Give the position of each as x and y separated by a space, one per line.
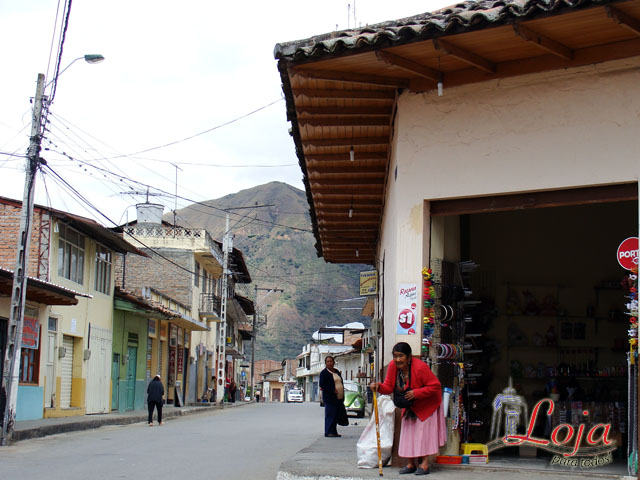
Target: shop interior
545 310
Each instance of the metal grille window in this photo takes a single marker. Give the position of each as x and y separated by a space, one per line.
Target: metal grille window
103 269
71 254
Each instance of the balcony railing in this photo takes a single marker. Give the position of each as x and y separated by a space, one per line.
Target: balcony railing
209 305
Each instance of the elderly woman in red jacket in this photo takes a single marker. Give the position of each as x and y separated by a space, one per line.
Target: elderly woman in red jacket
416 388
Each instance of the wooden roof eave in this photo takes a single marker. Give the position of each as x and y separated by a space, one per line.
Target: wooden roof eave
323 185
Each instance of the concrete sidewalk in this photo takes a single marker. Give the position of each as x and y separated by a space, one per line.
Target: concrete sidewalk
51 426
335 458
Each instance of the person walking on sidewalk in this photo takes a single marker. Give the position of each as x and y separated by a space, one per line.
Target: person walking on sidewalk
333 397
155 394
418 392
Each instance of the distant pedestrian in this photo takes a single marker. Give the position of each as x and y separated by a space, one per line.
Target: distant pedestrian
333 398
257 396
155 394
232 391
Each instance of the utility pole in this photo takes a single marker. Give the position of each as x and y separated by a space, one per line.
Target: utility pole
254 332
227 246
11 369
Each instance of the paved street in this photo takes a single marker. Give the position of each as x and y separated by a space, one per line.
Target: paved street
235 443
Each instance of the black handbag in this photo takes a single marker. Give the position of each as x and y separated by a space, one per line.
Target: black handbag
342 418
400 401
398 394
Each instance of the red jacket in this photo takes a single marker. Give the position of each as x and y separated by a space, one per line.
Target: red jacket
425 385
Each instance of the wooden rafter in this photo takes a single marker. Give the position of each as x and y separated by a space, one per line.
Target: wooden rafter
408 65
543 42
341 180
386 111
331 142
464 55
349 187
352 176
360 78
315 172
355 121
319 159
623 19
369 94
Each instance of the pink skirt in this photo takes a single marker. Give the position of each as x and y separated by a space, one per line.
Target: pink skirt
418 438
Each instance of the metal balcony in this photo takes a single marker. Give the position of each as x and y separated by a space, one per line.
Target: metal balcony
210 306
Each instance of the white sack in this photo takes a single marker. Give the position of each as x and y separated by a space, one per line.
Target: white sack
367 446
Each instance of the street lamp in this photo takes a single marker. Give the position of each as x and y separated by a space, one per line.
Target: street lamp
11 370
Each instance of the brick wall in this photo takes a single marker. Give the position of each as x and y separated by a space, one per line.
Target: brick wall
158 273
9 227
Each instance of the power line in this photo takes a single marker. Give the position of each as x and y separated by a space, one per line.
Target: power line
196 202
201 133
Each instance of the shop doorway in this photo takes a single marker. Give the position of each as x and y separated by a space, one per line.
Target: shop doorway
550 319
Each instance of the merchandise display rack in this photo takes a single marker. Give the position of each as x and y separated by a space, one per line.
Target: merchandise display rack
446 346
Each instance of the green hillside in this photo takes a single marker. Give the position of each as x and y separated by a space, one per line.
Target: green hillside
279 250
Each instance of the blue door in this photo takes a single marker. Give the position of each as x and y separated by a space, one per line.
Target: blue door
132 361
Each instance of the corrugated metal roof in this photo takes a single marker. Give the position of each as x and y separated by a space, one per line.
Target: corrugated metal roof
456 18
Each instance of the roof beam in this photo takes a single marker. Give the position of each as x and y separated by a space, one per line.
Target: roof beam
348 187
408 65
356 180
361 121
545 43
345 141
386 111
623 19
318 159
343 168
353 176
464 55
354 197
330 93
361 78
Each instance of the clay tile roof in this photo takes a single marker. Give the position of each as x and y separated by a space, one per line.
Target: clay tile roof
456 18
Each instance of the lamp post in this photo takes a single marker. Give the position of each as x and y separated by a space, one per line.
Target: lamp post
11 365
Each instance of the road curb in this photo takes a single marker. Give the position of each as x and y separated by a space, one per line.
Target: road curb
89 422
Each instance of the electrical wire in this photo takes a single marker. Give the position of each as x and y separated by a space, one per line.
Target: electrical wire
60 50
175 142
181 197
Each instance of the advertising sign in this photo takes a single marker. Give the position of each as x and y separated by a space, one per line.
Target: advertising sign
627 254
369 283
30 328
407 309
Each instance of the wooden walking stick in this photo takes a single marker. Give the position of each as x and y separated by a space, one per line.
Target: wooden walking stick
375 409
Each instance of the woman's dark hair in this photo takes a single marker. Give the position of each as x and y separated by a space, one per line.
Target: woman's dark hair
402 347
327 358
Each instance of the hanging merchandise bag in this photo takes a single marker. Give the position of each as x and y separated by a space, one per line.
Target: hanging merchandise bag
367 446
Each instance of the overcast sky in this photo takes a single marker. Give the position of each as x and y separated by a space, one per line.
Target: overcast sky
172 70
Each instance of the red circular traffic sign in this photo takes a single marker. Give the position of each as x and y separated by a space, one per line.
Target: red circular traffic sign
627 254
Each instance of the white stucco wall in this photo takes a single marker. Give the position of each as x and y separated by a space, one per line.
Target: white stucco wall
556 130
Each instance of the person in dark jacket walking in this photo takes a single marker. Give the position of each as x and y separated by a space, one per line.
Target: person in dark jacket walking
333 398
155 394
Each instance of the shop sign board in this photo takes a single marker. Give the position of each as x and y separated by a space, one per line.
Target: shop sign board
369 283
407 309
30 328
627 254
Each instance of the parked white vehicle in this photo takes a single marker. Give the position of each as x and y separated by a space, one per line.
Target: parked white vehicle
295 395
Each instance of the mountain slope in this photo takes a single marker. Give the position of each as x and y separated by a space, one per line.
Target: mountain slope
279 250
